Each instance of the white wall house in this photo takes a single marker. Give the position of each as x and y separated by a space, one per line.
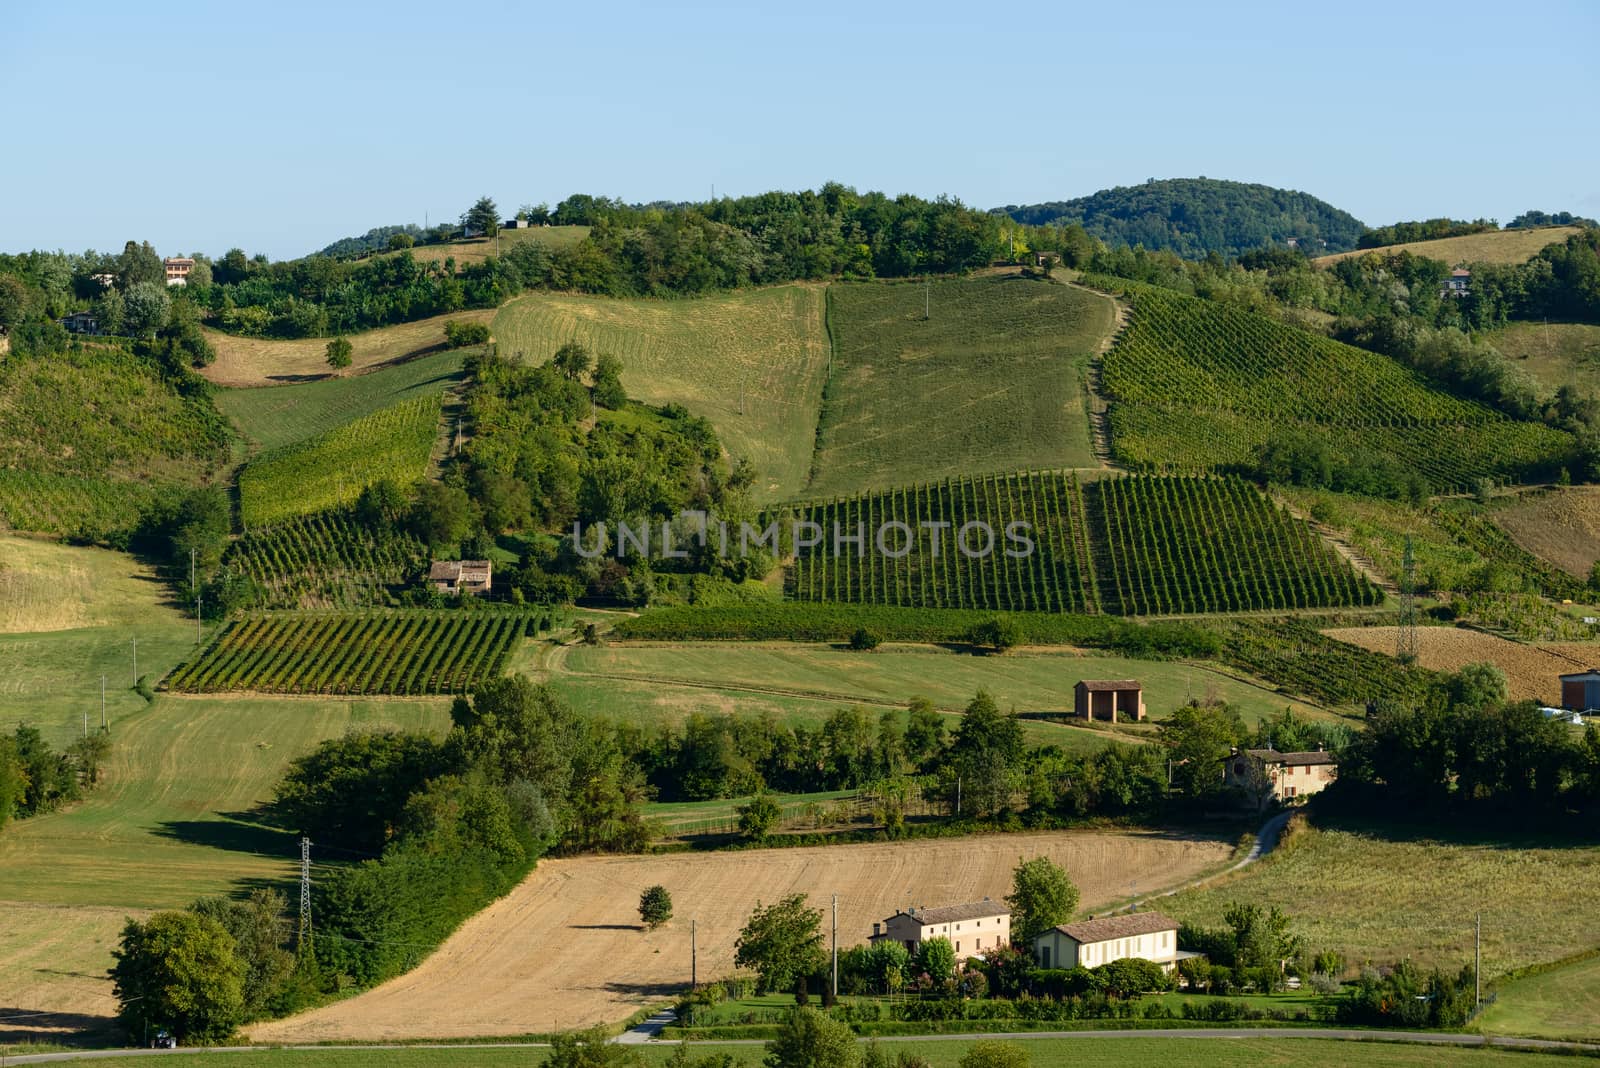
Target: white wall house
1095 942
973 929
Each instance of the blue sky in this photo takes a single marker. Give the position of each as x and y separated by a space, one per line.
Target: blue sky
280 127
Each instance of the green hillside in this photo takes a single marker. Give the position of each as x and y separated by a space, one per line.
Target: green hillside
1202 385
1195 216
991 380
86 433
282 415
752 362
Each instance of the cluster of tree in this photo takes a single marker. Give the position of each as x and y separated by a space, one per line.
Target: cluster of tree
36 778
1293 456
1194 217
198 973
1466 746
1406 996
452 824
1533 219
1426 230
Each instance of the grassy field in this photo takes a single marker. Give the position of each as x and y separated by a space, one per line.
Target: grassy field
1086 1051
1494 246
564 949
1555 354
1030 681
478 249
47 586
273 418
992 380
1561 1003
331 469
259 361
752 362
1381 895
162 830
1560 525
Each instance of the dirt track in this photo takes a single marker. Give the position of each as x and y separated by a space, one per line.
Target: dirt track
563 950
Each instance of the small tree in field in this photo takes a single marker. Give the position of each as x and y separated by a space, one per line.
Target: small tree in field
864 640
655 906
339 353
757 818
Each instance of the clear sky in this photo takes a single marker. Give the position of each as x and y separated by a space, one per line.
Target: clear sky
281 126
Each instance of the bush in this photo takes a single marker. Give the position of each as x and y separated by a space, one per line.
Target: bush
863 640
990 1053
400 241
655 906
459 334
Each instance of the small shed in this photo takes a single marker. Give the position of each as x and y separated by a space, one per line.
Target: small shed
1580 692
1108 698
456 577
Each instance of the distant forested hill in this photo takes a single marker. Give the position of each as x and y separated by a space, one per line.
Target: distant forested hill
1194 216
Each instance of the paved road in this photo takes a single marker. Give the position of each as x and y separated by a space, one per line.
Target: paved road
648 1031
1430 1038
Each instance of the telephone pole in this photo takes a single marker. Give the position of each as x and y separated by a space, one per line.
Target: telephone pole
836 946
136 661
927 299
302 943
1477 960
694 959
102 702
197 618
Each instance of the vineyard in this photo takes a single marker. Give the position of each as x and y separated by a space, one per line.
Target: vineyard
947 572
327 560
1176 545
62 504
394 652
1142 545
332 469
1295 655
1199 385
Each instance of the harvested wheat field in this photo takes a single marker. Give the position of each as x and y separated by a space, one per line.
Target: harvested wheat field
1532 671
564 949
260 361
1559 525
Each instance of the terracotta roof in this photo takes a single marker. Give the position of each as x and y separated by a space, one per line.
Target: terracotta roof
1460 272
1109 684
1292 760
1126 925
973 910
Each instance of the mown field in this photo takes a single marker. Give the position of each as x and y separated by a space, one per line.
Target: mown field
274 418
1085 1051
404 652
331 469
1561 1003
260 361
1197 385
1494 246
1381 894
478 249
1560 525
47 586
993 380
1035 681
564 948
751 362
169 824
1556 354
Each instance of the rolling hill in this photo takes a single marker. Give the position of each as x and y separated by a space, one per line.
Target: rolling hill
1194 216
1494 246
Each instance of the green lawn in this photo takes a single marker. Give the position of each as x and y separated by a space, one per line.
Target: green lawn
282 415
992 380
1079 1052
751 362
1561 1003
1029 681
1382 894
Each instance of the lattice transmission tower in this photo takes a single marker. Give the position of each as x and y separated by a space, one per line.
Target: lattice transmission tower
303 942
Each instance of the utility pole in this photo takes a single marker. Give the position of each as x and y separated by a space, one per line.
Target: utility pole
958 795
694 959
136 661
191 570
1477 961
927 299
302 943
197 617
836 946
86 723
102 702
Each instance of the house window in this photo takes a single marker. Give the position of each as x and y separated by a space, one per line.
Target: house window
958 947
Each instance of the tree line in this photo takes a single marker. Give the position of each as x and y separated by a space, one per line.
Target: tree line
36 778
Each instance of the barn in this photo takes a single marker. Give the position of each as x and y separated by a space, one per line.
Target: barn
1581 691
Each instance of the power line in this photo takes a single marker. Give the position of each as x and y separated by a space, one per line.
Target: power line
303 941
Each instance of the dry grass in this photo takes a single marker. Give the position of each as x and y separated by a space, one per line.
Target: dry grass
563 950
1557 354
1532 672
479 249
1495 246
256 361
45 586
1559 525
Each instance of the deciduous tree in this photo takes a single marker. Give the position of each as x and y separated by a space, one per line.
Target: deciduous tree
180 971
782 942
1041 897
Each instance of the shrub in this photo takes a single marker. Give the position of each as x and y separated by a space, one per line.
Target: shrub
865 640
655 906
458 334
339 353
990 1053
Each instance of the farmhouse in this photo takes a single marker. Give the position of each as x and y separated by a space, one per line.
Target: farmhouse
1148 935
1280 777
178 268
971 928
1457 284
80 323
1580 692
1104 699
456 577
